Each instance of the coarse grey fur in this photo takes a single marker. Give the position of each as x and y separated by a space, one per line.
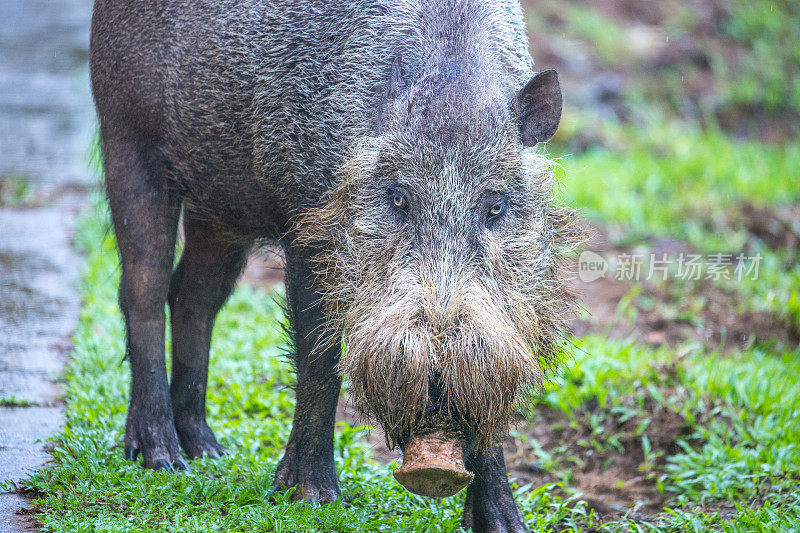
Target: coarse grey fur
280 93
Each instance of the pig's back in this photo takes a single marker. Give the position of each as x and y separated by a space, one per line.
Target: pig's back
256 103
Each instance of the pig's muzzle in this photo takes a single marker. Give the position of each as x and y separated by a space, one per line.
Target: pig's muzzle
433 466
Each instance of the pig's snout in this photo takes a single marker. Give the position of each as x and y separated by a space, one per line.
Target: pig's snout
433 466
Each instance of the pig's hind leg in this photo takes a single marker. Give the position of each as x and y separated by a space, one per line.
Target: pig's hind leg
308 462
490 506
145 211
206 274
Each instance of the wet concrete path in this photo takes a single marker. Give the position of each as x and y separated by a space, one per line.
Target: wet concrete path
46 128
46 115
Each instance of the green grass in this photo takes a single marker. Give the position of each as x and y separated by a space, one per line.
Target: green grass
768 74
669 170
672 179
743 411
14 401
606 36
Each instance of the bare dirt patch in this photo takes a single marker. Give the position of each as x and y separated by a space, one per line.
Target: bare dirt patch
375 439
707 314
777 227
671 312
264 269
612 482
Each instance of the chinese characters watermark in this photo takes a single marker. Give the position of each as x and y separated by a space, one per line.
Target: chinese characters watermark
684 266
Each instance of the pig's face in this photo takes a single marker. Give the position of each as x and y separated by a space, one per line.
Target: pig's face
438 258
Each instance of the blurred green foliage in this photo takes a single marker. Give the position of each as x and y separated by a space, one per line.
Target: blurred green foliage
768 72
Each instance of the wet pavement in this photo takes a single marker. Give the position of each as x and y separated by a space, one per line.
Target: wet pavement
39 306
46 128
46 114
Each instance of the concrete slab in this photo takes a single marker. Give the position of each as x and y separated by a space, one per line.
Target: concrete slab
46 113
39 308
14 514
23 439
39 303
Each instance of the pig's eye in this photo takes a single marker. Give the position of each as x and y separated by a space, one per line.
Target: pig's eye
496 211
398 200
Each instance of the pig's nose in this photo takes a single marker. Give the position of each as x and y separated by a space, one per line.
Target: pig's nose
433 466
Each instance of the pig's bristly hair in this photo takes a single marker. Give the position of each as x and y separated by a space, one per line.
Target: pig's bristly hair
486 321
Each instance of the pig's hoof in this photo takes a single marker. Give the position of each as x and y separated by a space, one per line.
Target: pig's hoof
313 483
485 514
157 443
197 440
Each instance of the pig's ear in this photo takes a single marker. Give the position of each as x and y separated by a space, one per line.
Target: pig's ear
538 108
395 86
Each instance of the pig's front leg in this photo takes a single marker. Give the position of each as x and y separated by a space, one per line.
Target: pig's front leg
490 506
308 462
